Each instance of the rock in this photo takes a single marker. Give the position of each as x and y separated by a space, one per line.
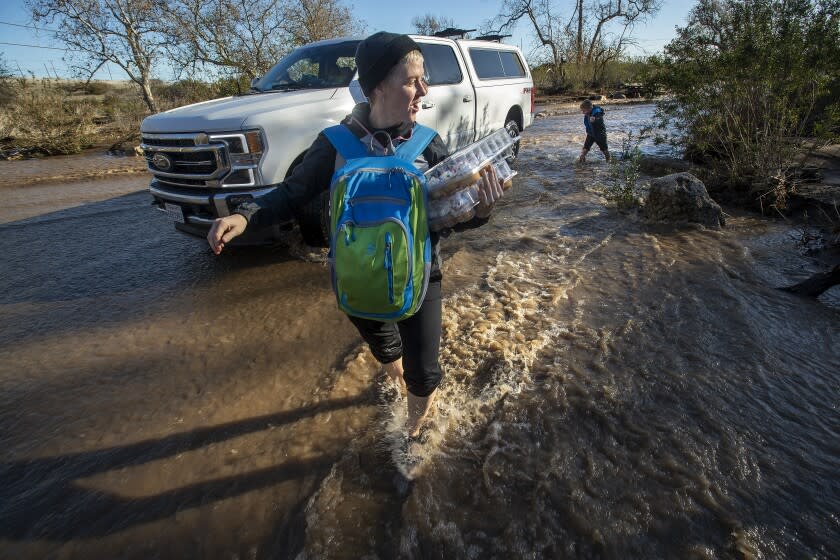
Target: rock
682 197
138 151
662 165
618 95
816 284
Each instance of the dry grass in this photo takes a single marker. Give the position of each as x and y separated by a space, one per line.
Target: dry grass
56 117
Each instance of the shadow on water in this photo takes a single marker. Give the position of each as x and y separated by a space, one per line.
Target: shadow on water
41 498
69 255
109 263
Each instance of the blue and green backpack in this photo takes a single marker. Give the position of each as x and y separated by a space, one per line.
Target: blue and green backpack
380 250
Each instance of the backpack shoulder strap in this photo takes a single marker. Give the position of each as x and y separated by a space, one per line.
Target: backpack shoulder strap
421 136
345 142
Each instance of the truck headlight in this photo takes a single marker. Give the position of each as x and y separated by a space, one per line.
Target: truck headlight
253 145
244 148
253 139
251 150
244 151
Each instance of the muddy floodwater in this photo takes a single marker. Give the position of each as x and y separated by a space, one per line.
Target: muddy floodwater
613 389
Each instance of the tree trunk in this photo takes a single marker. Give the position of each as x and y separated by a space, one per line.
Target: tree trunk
580 31
148 96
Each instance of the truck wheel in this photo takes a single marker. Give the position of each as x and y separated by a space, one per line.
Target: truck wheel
314 221
513 129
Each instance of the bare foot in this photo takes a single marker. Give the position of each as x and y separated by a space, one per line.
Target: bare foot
419 408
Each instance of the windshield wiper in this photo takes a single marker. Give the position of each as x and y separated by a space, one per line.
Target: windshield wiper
275 89
287 87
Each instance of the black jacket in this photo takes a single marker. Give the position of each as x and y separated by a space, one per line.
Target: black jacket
313 175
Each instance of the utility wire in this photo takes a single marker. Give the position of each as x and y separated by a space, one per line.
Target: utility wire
28 26
34 46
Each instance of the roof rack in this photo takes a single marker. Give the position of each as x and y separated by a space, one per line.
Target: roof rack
496 38
453 33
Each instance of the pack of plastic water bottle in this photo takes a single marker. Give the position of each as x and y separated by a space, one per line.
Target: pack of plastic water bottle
454 183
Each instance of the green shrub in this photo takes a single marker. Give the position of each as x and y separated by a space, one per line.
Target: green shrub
754 88
624 187
584 77
234 85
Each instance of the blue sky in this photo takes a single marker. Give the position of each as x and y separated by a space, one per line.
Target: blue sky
466 13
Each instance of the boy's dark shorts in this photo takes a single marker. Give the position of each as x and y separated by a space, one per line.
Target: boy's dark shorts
600 139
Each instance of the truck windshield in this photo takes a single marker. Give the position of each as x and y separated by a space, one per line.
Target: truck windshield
312 67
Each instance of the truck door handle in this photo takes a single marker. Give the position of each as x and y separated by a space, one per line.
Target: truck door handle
427 105
467 98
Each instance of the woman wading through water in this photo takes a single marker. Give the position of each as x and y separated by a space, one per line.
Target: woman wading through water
391 74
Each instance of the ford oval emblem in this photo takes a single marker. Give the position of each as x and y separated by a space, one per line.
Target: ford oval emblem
162 161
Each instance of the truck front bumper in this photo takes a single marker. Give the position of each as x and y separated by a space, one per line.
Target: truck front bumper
202 207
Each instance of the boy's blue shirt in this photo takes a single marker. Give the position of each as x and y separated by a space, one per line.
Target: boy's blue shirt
596 112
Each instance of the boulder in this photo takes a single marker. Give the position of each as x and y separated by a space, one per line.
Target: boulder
663 165
682 197
816 284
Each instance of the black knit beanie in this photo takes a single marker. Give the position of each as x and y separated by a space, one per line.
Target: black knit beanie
376 55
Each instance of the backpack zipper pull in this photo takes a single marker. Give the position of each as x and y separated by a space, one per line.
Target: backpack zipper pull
389 265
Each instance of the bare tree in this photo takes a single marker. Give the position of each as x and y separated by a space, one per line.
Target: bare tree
626 14
315 20
430 24
122 32
246 37
579 36
595 34
605 50
234 37
545 24
611 30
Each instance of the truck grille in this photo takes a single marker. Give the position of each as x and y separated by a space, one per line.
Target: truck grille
182 182
192 163
157 141
191 160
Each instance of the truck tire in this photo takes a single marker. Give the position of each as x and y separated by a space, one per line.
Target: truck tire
512 128
314 221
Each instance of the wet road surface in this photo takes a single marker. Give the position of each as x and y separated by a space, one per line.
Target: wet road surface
613 388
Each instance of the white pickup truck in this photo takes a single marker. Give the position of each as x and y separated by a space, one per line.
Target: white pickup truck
207 157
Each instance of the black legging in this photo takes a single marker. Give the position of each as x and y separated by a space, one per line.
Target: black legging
416 340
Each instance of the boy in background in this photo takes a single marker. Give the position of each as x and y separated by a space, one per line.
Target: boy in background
596 131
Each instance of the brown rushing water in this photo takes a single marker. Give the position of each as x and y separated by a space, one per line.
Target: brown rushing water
613 389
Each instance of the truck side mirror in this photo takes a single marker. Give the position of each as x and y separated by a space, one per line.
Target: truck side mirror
254 81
